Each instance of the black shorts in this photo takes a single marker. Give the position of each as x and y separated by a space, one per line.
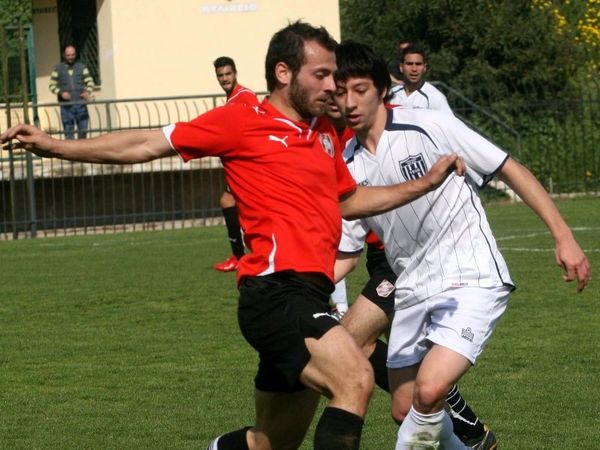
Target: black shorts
276 313
380 287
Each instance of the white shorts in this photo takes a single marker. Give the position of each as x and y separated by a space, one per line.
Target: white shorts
460 319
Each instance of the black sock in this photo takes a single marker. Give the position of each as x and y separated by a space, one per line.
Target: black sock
234 231
378 361
338 429
466 424
236 440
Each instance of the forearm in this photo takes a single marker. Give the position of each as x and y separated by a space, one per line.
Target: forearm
526 186
344 264
368 201
116 148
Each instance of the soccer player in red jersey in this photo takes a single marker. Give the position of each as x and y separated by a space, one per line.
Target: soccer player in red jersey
291 185
226 73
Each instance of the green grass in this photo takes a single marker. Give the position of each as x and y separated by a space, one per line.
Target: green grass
130 341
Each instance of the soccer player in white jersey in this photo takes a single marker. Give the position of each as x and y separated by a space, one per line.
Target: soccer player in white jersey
453 284
415 92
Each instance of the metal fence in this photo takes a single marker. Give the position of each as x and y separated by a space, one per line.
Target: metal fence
53 197
558 141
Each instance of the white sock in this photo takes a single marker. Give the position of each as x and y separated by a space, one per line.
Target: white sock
424 429
339 296
448 440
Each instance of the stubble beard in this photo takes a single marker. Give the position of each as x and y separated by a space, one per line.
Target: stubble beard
300 101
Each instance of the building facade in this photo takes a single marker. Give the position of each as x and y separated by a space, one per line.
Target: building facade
155 48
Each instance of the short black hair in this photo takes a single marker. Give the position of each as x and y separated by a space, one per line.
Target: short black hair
394 67
355 59
223 61
287 46
413 49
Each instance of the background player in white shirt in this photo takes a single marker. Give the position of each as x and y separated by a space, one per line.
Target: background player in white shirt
453 283
415 92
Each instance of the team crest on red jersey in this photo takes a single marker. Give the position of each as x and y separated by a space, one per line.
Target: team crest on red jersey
327 144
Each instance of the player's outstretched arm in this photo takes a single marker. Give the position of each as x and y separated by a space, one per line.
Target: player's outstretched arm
568 253
367 201
123 147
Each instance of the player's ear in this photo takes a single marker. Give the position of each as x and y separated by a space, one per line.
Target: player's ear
283 73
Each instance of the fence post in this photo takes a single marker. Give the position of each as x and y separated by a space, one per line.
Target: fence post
108 119
28 156
11 161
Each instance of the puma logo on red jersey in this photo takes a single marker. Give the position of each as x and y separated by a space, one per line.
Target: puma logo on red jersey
282 140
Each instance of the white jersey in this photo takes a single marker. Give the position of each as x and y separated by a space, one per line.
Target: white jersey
426 97
441 240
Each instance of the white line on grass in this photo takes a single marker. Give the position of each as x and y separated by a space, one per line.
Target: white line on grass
541 233
542 250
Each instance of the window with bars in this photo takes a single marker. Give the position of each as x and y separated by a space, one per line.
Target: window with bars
77 25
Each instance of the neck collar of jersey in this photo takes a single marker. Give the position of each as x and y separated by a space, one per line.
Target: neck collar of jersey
274 112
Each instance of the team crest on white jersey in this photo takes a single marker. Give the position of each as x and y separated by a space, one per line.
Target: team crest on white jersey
327 143
413 167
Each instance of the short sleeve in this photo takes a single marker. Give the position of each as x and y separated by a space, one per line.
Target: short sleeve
209 134
354 234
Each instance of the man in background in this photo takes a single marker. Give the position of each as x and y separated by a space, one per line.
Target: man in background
226 73
73 85
415 92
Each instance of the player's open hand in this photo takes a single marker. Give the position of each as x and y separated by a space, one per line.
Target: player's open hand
443 167
29 138
573 261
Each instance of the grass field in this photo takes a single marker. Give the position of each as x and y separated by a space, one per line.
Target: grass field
130 342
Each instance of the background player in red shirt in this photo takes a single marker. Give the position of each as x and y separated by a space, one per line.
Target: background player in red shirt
226 73
291 186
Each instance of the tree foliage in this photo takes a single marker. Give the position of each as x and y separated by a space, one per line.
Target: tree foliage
13 11
492 50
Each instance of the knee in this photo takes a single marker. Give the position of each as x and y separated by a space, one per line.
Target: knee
399 413
226 200
366 380
430 395
360 381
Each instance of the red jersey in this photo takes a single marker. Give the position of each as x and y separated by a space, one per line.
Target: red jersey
286 177
372 239
344 136
243 95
